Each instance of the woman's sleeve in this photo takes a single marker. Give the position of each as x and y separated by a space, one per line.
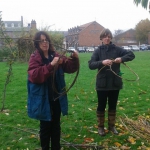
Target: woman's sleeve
70 65
37 71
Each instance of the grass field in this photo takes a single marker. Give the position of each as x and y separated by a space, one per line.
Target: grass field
19 132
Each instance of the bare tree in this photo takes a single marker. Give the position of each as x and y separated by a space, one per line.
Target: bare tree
117 32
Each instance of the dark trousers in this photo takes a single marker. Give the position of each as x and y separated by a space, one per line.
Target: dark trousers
50 130
110 96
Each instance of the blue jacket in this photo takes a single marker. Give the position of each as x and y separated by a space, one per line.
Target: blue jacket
38 102
38 97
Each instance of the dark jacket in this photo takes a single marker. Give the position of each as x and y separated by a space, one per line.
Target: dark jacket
38 73
106 80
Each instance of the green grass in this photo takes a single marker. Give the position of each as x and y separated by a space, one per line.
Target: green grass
19 132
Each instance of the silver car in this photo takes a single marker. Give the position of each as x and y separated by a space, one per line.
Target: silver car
134 47
126 47
90 49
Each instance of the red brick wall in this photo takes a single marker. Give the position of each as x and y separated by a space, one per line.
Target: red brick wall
126 38
90 35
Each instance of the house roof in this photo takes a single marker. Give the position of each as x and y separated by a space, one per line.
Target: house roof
15 23
129 30
17 26
82 27
17 29
86 25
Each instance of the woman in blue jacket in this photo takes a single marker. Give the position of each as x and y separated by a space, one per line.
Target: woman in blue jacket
45 83
108 56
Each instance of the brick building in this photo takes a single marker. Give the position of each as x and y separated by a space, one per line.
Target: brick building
126 38
84 35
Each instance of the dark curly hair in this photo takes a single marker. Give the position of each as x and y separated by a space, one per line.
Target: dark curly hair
37 38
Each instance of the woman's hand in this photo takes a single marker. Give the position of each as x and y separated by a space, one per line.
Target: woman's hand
56 61
75 54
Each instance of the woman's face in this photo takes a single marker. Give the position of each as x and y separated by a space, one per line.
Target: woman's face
106 40
44 43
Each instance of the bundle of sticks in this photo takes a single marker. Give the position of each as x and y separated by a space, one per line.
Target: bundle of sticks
139 128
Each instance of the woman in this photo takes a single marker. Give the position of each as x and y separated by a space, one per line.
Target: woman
45 83
107 57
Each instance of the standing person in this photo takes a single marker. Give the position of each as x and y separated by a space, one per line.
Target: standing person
44 87
108 84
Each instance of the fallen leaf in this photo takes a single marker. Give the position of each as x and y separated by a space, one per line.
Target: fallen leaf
32 136
89 140
77 97
20 139
131 140
124 147
95 131
67 136
90 109
7 114
117 144
121 108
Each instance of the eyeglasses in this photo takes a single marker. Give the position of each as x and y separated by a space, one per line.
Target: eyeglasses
44 41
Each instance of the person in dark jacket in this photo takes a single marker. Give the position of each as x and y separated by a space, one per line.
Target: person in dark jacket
45 84
107 57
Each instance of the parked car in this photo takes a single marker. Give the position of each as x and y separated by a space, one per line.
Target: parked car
81 49
71 49
90 49
126 47
148 47
134 47
95 47
143 47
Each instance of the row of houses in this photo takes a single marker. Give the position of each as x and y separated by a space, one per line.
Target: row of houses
15 28
86 35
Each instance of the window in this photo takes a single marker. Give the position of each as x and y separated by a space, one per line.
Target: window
12 25
6 25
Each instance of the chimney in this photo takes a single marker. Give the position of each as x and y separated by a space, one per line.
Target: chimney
33 24
21 21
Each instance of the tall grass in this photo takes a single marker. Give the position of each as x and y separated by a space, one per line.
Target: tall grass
19 132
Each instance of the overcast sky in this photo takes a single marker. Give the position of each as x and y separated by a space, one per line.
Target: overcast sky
65 14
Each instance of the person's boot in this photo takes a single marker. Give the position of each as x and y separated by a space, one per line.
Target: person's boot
111 121
101 120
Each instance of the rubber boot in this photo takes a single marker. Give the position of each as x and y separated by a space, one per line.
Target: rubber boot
101 120
111 121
